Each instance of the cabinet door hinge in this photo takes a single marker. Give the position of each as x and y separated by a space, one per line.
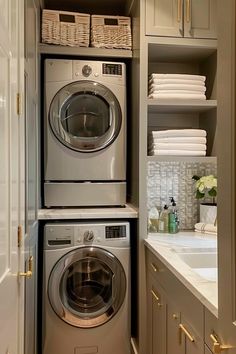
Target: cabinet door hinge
19 235
18 104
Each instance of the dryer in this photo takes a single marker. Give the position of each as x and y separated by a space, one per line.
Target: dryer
84 133
86 288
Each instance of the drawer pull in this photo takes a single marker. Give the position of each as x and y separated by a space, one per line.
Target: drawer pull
186 332
217 347
154 267
179 11
188 11
155 296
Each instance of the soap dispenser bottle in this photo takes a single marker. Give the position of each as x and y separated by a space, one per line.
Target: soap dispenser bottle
153 221
164 220
173 224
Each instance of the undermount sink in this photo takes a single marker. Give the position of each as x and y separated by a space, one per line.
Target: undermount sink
194 250
199 260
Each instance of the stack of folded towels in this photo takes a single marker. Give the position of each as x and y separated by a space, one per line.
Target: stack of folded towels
177 86
178 142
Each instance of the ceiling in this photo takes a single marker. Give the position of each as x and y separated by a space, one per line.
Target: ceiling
97 7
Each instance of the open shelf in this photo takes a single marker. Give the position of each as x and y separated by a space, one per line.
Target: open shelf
198 159
179 106
82 51
165 49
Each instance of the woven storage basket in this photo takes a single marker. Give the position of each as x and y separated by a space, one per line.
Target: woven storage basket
111 32
65 28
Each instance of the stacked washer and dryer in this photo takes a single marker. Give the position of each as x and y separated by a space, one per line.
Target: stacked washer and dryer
86 276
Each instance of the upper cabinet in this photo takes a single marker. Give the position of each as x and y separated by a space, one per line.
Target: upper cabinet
181 18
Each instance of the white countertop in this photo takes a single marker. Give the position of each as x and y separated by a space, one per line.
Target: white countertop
128 212
166 248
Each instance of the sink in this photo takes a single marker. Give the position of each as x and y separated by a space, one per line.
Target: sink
199 260
194 250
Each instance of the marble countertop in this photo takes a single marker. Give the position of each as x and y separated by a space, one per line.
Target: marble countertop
202 282
128 212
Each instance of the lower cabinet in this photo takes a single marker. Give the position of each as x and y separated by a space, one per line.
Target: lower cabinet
175 316
207 350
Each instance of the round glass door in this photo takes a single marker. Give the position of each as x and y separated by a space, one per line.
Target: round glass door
85 116
87 286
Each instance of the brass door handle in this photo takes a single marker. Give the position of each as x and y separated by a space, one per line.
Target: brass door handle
186 332
179 11
188 10
217 347
29 272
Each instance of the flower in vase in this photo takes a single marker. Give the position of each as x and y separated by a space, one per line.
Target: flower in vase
206 186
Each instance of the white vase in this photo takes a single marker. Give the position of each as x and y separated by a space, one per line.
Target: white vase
208 213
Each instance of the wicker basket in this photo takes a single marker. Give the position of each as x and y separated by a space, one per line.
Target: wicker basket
111 32
65 28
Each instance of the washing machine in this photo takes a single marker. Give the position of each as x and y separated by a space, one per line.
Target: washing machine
86 288
84 133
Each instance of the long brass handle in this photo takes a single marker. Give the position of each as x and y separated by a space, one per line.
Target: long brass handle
186 332
155 296
154 267
188 11
217 347
29 272
179 11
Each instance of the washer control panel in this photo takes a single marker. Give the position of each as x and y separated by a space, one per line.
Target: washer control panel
64 235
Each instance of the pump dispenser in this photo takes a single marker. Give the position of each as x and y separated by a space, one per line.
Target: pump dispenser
164 220
173 223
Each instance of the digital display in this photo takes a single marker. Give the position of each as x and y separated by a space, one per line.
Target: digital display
111 69
116 231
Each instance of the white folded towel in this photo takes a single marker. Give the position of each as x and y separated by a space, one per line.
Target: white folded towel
206 228
178 133
178 76
179 87
177 96
178 152
179 140
176 81
189 147
175 92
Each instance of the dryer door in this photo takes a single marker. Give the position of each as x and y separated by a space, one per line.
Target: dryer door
87 287
85 116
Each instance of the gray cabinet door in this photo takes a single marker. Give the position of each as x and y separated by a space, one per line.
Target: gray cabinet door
173 344
200 18
164 18
156 318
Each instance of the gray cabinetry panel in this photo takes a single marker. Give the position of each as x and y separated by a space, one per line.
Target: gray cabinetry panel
200 18
164 18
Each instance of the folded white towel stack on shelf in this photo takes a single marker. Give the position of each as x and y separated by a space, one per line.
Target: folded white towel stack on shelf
178 142
206 228
177 86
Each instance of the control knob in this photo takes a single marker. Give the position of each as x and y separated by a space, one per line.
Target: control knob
86 70
88 236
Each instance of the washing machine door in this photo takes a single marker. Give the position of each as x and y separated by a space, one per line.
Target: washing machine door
85 116
86 287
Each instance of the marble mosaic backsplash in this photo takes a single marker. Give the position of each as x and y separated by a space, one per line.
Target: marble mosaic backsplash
174 179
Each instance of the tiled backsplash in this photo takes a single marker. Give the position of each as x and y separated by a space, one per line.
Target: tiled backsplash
174 179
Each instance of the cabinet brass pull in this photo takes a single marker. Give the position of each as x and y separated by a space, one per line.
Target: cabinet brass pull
186 332
155 296
188 10
179 11
154 267
217 347
29 272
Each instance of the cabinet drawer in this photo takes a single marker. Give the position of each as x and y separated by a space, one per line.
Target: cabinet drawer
190 307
